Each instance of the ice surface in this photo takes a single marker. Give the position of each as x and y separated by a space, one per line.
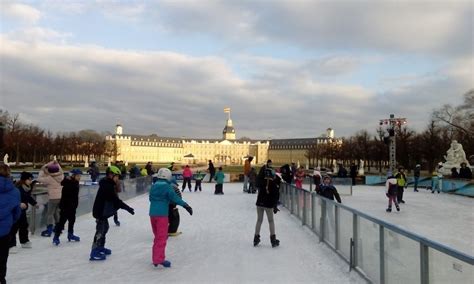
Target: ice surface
445 218
215 247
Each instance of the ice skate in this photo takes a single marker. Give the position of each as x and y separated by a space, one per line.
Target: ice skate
275 242
165 263
96 255
256 240
389 209
26 245
48 231
56 241
72 237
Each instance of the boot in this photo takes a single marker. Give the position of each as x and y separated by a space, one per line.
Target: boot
72 237
96 255
48 231
256 240
274 241
56 241
104 250
398 207
165 263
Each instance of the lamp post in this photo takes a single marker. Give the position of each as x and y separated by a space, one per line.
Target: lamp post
391 124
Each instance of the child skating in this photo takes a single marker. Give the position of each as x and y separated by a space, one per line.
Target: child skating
106 204
161 194
68 205
391 187
219 182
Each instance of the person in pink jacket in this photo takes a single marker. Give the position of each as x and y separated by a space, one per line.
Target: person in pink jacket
51 176
187 177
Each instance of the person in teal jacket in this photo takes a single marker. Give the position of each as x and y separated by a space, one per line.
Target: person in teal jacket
161 194
219 182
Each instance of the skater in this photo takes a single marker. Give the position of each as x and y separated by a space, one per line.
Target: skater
328 190
25 186
353 173
68 205
437 181
401 181
286 173
51 175
454 173
247 166
342 172
299 178
93 171
391 187
219 182
416 174
212 171
10 212
198 180
161 194
465 172
252 180
173 213
293 171
149 168
134 172
317 178
106 204
187 177
267 201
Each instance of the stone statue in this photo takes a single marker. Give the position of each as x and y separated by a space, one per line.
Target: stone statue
5 159
361 171
86 162
109 163
454 157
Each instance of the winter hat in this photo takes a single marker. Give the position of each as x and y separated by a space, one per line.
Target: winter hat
53 168
75 172
25 176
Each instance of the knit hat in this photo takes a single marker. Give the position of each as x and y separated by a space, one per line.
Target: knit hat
53 168
25 176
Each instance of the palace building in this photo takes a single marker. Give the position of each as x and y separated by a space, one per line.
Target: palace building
228 150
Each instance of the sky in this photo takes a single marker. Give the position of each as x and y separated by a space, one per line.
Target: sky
285 68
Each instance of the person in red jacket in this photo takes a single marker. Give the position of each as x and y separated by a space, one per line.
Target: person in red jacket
187 177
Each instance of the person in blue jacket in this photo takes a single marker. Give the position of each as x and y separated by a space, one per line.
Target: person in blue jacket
10 212
161 194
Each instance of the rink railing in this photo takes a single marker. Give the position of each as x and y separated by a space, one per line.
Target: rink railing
87 192
381 252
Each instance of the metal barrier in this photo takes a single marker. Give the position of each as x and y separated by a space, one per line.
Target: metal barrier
131 188
379 251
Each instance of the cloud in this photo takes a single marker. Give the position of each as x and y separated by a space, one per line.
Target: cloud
38 34
432 27
72 87
20 12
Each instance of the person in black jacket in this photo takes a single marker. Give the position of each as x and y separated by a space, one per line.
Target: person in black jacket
286 173
24 185
212 170
68 205
105 206
353 173
465 172
267 199
328 190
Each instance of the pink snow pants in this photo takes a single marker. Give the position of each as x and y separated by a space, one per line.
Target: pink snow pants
160 230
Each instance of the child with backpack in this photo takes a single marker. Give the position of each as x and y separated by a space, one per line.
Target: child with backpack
198 179
52 175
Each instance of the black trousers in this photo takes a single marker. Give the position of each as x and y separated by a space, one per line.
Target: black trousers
400 193
20 227
186 181
4 247
219 189
198 185
211 176
173 219
101 229
68 215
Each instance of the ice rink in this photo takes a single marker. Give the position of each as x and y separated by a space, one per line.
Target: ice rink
215 247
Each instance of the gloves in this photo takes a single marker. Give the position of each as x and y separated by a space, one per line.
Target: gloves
189 209
130 210
275 210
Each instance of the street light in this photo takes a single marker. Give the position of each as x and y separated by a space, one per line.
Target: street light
390 125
